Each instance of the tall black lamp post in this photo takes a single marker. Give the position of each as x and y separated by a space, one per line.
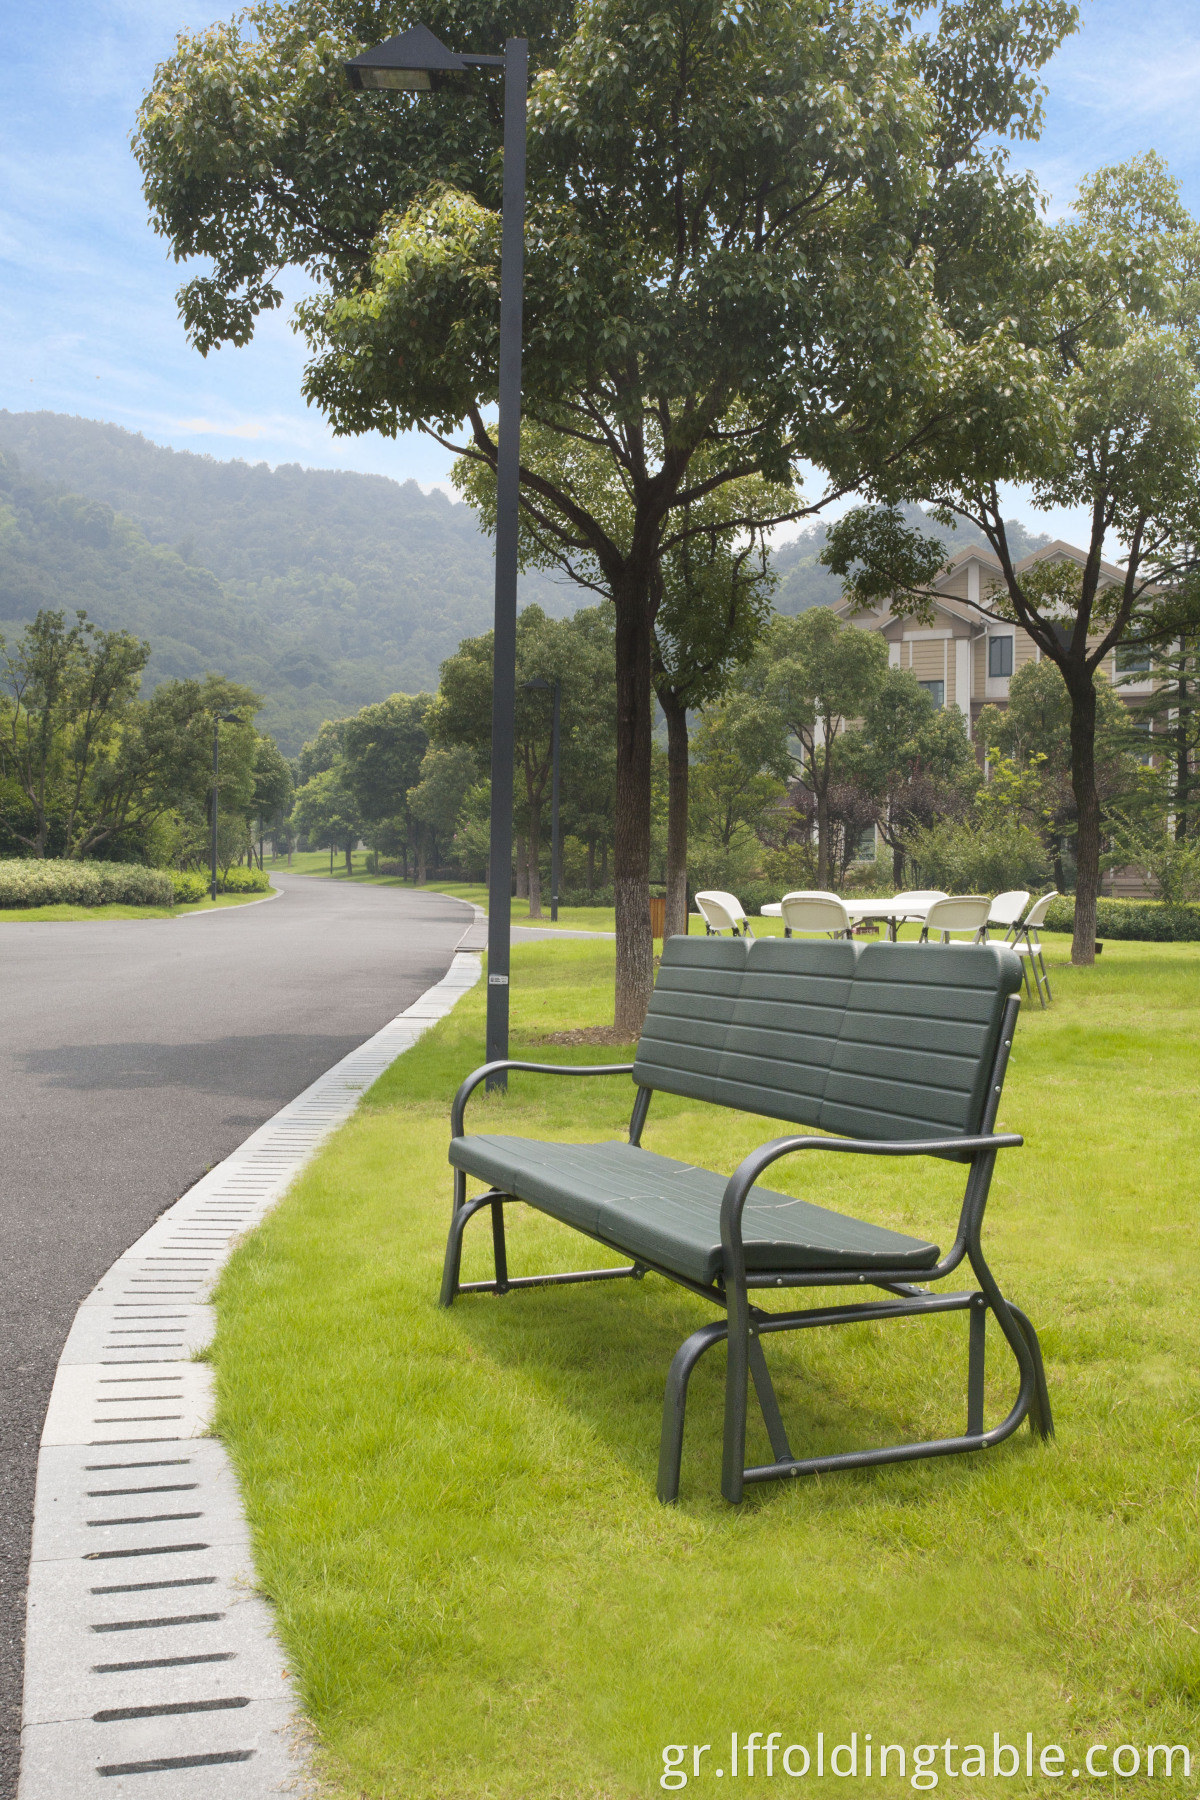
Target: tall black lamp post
554 687
418 62
219 719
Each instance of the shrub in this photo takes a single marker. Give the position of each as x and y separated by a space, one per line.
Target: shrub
243 881
36 881
1146 921
973 859
189 886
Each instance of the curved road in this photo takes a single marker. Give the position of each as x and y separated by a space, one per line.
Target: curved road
133 1056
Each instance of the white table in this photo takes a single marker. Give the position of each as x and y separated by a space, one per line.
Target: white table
859 911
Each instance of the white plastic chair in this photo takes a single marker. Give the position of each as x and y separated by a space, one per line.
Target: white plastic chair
958 912
1007 912
722 912
814 911
1028 946
912 903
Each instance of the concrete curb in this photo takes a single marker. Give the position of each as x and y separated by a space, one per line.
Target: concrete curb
151 1663
220 912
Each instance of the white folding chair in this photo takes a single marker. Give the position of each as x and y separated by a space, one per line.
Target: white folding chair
722 912
959 912
814 911
1028 946
913 903
1007 912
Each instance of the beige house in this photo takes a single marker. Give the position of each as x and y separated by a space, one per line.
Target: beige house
963 658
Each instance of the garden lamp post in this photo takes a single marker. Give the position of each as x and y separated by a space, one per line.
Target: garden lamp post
555 687
219 719
417 62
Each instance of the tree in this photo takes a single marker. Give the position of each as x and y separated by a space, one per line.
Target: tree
1033 734
913 759
437 799
1172 711
1104 414
384 746
728 208
712 589
65 689
273 787
326 813
812 678
577 653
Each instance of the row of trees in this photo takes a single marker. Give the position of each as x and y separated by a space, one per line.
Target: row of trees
815 756
758 239
89 769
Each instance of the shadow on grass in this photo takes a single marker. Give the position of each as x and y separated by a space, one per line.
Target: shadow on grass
602 1351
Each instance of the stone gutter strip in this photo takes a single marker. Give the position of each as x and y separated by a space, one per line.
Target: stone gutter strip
151 1664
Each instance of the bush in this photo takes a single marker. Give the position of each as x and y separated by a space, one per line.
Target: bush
36 881
973 859
189 886
1145 921
243 881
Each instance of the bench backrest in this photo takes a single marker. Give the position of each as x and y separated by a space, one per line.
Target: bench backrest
870 1041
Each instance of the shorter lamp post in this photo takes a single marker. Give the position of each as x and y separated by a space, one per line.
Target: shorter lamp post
219 719
554 687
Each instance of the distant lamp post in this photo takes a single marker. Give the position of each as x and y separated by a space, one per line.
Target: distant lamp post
417 62
554 687
219 719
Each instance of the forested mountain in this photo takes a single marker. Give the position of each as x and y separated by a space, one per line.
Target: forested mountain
324 589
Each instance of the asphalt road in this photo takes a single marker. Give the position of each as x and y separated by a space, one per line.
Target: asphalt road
134 1056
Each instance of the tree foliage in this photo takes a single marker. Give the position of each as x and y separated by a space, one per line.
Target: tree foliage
753 234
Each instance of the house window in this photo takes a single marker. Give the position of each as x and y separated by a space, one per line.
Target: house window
936 691
1147 726
1000 658
1133 659
865 848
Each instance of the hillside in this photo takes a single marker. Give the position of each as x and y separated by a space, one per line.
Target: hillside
322 588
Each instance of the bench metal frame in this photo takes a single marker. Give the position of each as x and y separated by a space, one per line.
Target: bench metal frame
745 1325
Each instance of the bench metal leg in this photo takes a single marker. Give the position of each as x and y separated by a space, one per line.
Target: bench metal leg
504 1283
975 1366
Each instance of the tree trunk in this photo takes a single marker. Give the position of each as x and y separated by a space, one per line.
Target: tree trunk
631 848
1087 801
421 857
591 866
822 799
349 856
534 865
677 812
522 868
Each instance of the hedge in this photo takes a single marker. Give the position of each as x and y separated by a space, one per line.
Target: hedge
1148 921
36 881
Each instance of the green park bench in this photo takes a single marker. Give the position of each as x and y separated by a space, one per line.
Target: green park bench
899 1050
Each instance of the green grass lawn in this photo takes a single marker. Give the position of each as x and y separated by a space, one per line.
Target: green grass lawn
454 1513
40 915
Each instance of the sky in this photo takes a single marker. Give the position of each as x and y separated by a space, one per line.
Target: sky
88 321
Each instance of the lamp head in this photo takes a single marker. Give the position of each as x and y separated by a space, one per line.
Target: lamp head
415 61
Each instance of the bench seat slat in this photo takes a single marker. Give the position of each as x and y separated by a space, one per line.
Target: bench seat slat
667 1212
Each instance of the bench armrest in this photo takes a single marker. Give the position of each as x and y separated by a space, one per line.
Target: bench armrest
737 1189
468 1087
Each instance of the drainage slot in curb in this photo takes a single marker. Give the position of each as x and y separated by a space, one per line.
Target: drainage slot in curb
166 1462
143 1519
171 1710
162 1763
155 1624
144 1587
162 1662
167 1487
150 1550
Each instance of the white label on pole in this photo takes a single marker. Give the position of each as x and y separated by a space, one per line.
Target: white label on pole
497 980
